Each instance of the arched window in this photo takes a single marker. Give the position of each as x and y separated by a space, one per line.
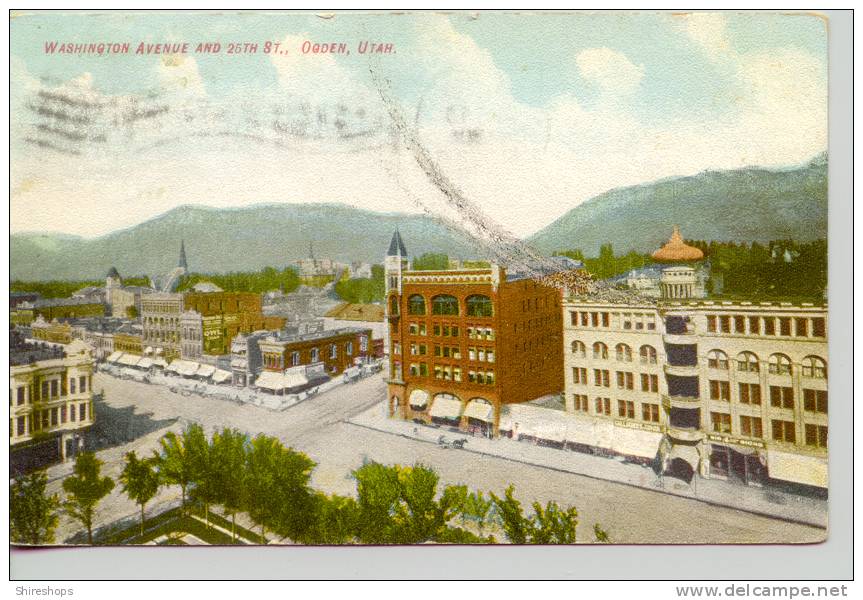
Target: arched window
717 359
624 353
600 350
444 305
746 361
648 355
416 305
780 364
814 366
479 306
579 349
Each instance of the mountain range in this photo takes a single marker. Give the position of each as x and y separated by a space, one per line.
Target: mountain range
743 205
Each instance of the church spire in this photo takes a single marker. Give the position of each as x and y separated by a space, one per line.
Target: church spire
183 264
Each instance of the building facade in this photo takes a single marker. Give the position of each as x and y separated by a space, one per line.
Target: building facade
707 388
50 403
337 350
463 343
160 316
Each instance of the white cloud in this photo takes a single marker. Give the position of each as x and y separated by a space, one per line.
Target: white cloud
609 69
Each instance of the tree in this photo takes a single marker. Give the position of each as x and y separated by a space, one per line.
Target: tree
477 508
335 520
294 497
516 526
401 505
203 470
177 460
140 481
600 534
85 489
262 461
229 461
32 513
552 524
430 262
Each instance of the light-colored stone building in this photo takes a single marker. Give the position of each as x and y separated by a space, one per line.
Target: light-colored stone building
51 402
160 315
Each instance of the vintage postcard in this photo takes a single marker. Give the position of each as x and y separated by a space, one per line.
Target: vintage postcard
418 278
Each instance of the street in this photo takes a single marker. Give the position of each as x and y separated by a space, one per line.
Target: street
318 427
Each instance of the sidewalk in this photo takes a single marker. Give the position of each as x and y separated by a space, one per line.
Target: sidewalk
762 501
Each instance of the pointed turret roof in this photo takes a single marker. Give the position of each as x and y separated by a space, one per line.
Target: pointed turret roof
182 264
114 273
676 250
397 246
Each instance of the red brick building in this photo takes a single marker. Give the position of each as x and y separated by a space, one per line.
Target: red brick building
336 349
462 343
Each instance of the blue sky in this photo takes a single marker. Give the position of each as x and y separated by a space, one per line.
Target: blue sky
644 95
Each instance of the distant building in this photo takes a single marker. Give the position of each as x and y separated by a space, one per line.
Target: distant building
733 390
246 362
191 335
160 316
67 308
317 271
336 350
226 314
54 332
206 287
168 282
51 403
466 342
370 316
93 293
17 298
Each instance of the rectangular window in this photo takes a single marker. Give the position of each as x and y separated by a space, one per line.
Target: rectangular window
605 321
769 326
21 391
334 351
594 319
454 331
71 385
72 413
573 318
781 397
414 369
750 393
579 401
21 427
82 413
603 406
783 431
725 324
818 327
711 323
751 426
739 324
601 378
489 377
349 348
815 401
720 390
456 374
579 375
424 370
55 414
626 409
83 384
784 325
801 327
650 413
63 414
627 320
584 319
816 435
754 325
721 422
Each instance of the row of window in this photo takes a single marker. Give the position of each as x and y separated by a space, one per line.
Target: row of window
781 431
448 373
625 379
616 320
625 408
444 304
623 352
473 333
40 420
274 361
49 390
779 364
780 396
758 325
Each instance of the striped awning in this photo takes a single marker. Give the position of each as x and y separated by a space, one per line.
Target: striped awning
221 376
446 408
205 371
115 356
482 411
